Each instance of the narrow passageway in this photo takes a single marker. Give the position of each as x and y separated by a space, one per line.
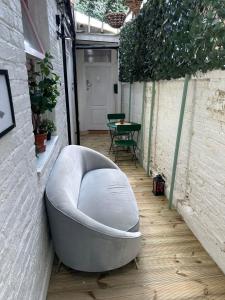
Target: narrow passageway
172 264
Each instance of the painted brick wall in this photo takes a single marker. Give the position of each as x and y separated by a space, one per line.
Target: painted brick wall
26 251
199 189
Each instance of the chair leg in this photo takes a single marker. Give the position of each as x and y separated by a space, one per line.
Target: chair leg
136 263
116 154
111 146
112 138
59 266
135 156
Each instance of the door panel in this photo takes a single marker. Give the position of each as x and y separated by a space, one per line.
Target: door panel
99 87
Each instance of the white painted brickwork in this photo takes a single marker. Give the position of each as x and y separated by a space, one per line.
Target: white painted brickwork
200 182
25 252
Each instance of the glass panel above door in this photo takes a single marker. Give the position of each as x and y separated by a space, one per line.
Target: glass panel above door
97 56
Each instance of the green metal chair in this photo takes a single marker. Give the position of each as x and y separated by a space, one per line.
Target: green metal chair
130 142
112 119
115 117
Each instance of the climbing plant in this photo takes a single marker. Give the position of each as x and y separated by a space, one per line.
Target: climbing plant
127 50
171 38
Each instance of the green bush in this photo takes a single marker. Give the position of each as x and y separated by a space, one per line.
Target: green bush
127 51
171 38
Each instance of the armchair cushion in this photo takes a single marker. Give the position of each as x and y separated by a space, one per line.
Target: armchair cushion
106 196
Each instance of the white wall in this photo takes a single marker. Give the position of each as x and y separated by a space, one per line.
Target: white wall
199 192
26 251
125 91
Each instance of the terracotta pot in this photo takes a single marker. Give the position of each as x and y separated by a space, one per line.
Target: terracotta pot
40 142
116 19
134 5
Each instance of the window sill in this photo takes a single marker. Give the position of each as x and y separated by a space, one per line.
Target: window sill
44 157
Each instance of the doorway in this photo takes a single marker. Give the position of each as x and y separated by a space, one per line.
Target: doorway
100 98
97 74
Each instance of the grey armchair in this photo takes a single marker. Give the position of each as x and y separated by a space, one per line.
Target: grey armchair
92 212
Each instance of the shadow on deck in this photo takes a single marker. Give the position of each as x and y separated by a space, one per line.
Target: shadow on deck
172 263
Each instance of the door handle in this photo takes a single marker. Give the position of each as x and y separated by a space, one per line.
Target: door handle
88 85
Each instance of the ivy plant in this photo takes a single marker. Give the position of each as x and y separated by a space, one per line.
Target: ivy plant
127 50
171 38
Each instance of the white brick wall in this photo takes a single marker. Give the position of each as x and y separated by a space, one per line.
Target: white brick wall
199 190
25 252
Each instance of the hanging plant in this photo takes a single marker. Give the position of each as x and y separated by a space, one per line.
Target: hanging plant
115 14
99 8
116 19
134 5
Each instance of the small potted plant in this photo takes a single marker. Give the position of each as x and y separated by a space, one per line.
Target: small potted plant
48 127
43 87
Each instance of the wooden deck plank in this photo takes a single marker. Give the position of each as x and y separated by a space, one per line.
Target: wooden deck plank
172 263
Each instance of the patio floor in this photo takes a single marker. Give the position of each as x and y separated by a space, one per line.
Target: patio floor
172 263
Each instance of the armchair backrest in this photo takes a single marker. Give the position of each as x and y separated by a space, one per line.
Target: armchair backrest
64 182
63 185
115 117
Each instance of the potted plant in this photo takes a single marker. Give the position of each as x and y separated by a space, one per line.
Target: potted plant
43 85
115 13
47 126
116 19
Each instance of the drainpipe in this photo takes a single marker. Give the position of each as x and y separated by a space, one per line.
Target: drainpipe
130 101
151 127
66 80
73 32
179 131
143 121
76 89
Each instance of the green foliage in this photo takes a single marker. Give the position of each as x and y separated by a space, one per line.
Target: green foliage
128 45
171 38
98 8
47 126
43 87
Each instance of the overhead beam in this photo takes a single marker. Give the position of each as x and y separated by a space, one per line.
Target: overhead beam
96 47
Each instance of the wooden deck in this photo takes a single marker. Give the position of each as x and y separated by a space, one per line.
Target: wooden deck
172 263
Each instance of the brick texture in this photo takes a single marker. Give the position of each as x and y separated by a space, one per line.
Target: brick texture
199 192
26 251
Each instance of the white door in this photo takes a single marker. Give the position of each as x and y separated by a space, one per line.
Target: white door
100 99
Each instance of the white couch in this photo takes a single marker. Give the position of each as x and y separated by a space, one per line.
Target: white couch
92 212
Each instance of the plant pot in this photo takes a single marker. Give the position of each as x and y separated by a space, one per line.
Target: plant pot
116 19
134 5
40 142
49 136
